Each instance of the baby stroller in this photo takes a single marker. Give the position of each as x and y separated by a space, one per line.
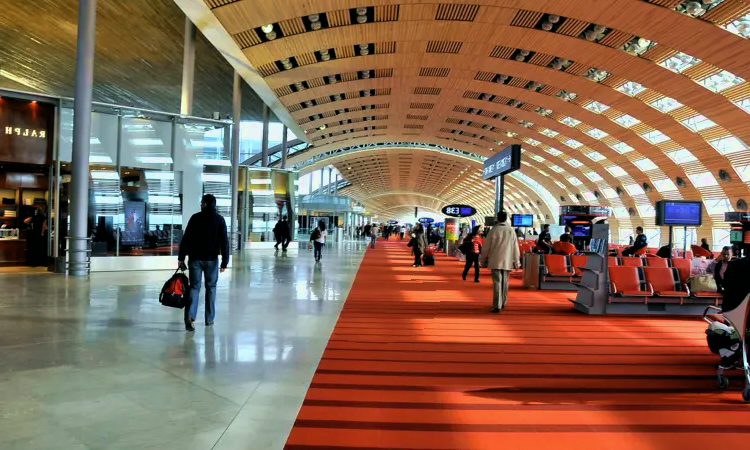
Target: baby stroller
727 330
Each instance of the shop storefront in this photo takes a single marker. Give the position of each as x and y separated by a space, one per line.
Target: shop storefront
26 143
148 172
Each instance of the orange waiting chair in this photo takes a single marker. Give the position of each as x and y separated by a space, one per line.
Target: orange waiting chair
657 262
556 266
641 251
683 268
625 285
613 261
699 251
578 261
563 248
632 261
665 283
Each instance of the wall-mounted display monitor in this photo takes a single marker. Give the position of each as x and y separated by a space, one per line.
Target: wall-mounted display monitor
580 230
735 236
679 213
522 220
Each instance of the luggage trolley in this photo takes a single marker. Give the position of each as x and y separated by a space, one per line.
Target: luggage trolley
737 320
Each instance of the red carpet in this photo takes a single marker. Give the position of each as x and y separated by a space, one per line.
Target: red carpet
416 361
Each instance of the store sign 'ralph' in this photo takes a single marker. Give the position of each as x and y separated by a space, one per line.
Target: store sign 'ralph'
26 132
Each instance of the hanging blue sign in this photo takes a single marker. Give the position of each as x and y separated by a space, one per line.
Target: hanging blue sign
502 162
426 219
459 211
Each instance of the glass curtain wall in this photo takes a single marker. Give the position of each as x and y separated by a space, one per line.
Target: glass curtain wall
148 174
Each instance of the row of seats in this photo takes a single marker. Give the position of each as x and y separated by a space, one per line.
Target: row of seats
668 284
562 267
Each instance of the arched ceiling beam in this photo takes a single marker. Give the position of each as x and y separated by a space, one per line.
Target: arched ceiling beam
639 18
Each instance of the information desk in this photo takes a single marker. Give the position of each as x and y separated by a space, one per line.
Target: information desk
12 252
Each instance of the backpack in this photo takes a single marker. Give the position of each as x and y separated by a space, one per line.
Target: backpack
315 235
176 291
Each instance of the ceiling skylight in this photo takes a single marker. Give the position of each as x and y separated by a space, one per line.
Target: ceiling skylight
665 185
553 151
631 88
645 164
634 189
574 162
556 168
681 156
616 171
727 145
697 123
740 27
593 176
596 133
720 81
569 121
572 143
609 193
589 196
627 121
744 104
574 181
679 63
595 156
596 107
533 142
560 184
665 104
621 148
655 137
703 179
537 158
548 132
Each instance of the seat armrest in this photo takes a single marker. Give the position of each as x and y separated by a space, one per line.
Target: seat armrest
650 288
687 289
612 287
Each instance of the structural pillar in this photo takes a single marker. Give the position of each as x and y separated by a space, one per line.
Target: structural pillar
79 198
330 177
264 143
499 193
320 189
336 185
188 69
236 112
284 150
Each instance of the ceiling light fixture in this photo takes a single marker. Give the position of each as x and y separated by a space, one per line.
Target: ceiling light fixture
267 28
361 15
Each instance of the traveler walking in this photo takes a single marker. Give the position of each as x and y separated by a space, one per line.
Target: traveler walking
473 245
500 250
402 232
318 238
204 240
366 231
419 243
282 234
373 235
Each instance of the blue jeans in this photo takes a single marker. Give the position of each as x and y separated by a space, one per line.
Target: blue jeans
372 241
318 247
210 271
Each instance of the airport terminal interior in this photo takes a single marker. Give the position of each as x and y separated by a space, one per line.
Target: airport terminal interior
591 158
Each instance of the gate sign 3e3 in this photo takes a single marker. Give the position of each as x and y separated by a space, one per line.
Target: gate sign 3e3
502 162
459 211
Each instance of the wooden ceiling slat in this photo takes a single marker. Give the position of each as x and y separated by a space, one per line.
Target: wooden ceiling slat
572 27
268 69
541 59
385 47
526 19
247 38
386 13
700 71
291 27
658 53
316 82
344 52
502 52
484 76
616 39
305 59
338 18
727 11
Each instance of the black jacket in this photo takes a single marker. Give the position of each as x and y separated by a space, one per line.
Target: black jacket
206 238
281 229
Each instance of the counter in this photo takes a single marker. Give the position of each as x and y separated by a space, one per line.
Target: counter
12 252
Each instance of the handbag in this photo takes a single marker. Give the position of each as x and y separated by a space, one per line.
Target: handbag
412 242
703 283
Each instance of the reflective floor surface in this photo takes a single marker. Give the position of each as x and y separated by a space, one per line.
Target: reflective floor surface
100 364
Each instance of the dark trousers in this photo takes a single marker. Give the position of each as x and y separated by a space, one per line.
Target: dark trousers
318 247
471 258
417 257
283 241
209 270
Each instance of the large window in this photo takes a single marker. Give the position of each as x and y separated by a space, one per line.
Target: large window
720 238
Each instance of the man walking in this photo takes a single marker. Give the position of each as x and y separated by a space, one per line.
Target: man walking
501 250
281 232
204 240
373 236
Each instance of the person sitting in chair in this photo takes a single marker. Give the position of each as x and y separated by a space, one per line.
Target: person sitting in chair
641 242
564 246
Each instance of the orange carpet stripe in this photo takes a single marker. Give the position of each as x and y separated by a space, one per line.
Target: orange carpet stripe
417 362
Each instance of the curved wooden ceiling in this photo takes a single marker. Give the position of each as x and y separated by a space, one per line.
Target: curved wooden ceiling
619 103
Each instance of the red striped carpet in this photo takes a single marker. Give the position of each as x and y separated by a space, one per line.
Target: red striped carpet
417 362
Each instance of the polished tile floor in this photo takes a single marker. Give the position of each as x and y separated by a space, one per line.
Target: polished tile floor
100 364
